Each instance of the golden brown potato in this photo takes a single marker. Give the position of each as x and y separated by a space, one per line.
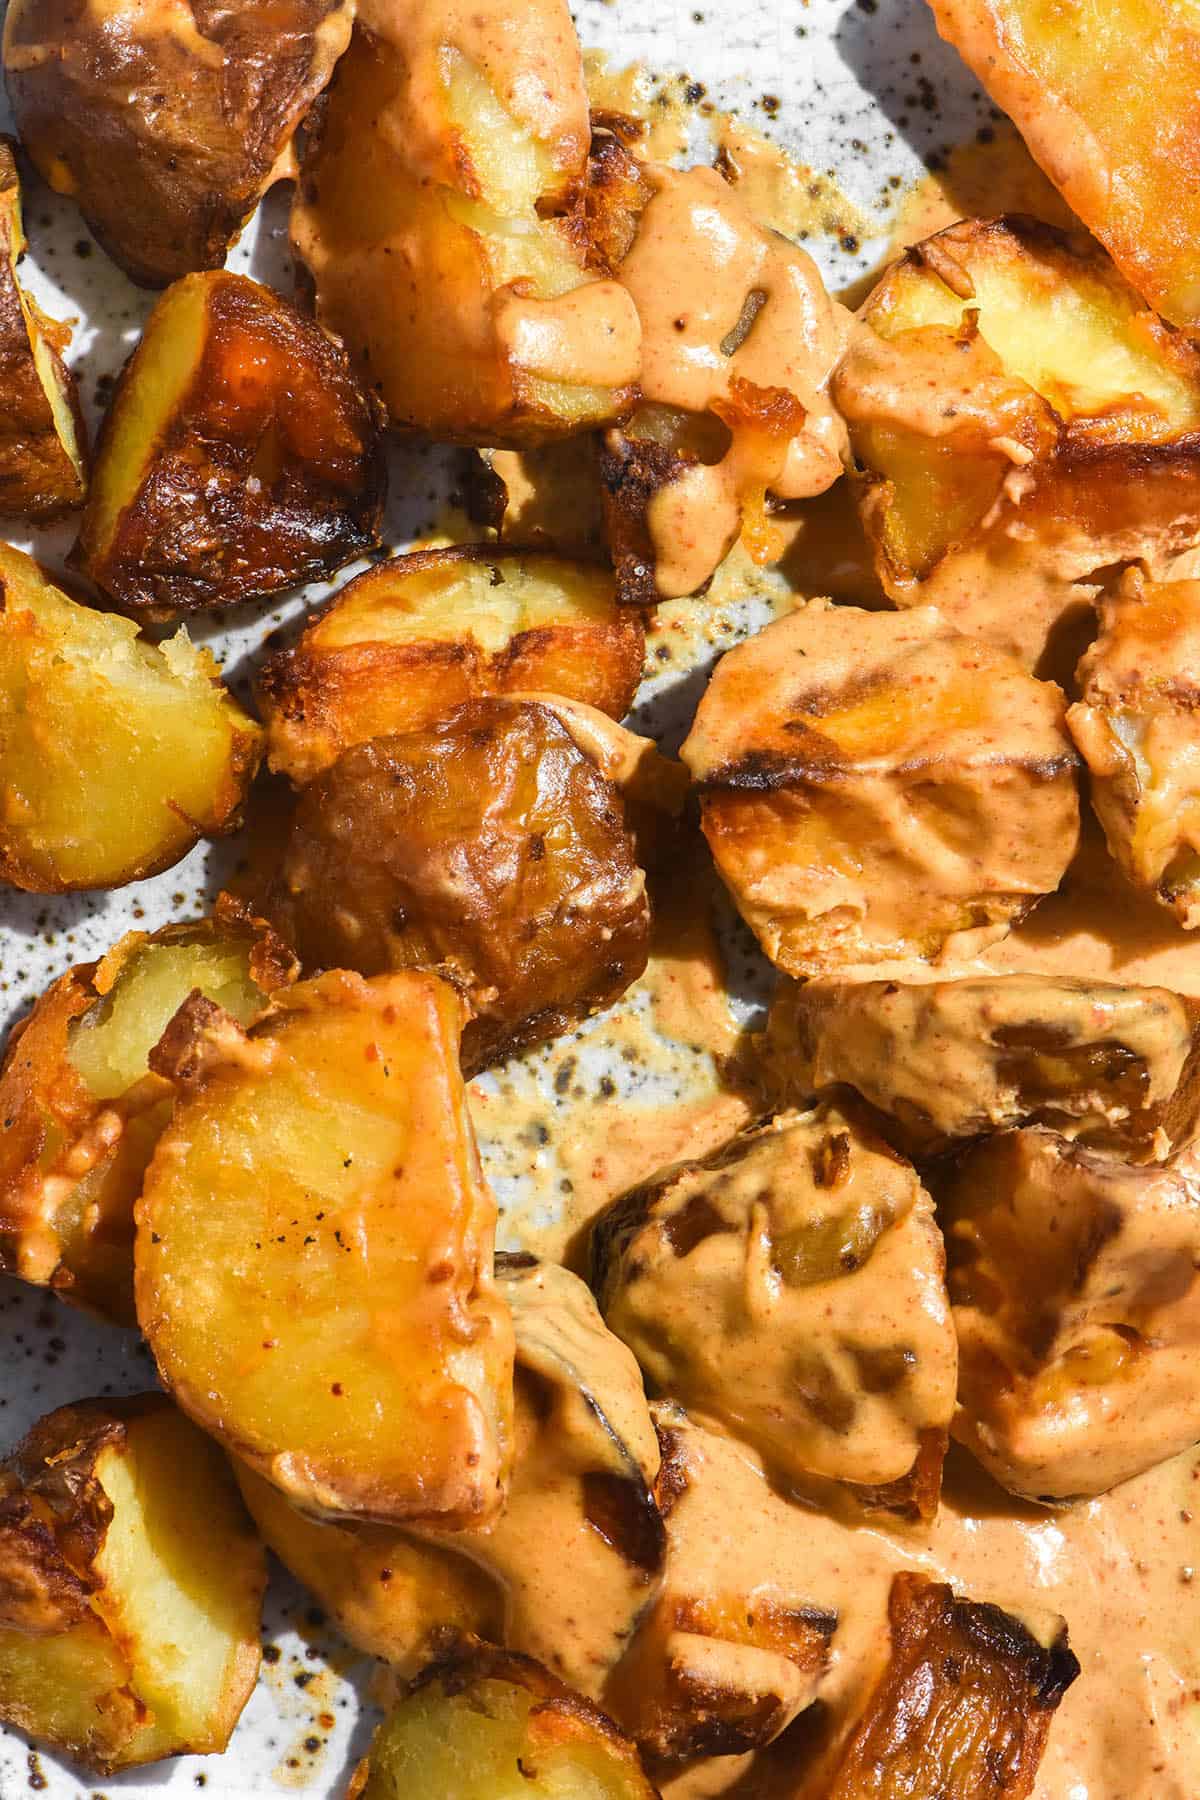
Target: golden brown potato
313 1256
1137 727
438 216
130 1586
413 638
549 494
1020 420
873 783
238 456
1115 1068
793 1287
494 1726
963 1707
117 754
1077 1305
43 439
80 1110
167 123
487 846
1104 97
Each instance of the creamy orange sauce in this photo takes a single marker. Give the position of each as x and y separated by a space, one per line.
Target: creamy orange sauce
779 191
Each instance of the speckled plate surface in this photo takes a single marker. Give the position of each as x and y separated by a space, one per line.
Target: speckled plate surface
860 90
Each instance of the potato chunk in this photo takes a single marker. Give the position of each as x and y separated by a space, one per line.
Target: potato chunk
1020 420
492 1726
117 754
43 440
872 784
166 124
238 456
792 1286
80 1110
487 846
549 494
1115 1068
313 1253
413 638
963 1707
130 1586
1076 1300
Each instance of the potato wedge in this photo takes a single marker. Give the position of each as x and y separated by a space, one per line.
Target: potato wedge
1113 1068
1020 420
80 1110
411 639
313 1256
118 755
238 456
494 1726
487 846
441 185
43 439
963 1707
131 1586
1076 1300
874 783
166 125
793 1287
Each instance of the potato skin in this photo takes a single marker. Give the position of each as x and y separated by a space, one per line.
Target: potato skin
488 847
166 141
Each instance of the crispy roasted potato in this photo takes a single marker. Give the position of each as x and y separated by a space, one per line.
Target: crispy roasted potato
441 187
733 1649
130 1586
793 1286
1115 1068
873 783
1137 727
167 123
549 494
487 846
1104 97
238 456
963 1707
413 638
80 1110
1076 1300
43 439
117 754
1020 420
313 1256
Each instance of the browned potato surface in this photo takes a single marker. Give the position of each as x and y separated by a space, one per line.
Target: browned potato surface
1077 1306
487 846
238 456
130 1586
166 123
43 440
411 639
793 1287
873 783
313 1257
80 1110
1115 1068
117 755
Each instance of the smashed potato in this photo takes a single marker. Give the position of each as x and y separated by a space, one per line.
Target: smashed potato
238 456
548 494
167 124
871 784
1077 1306
313 1255
131 1586
80 1110
793 1286
413 638
1115 1068
43 440
487 846
117 754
